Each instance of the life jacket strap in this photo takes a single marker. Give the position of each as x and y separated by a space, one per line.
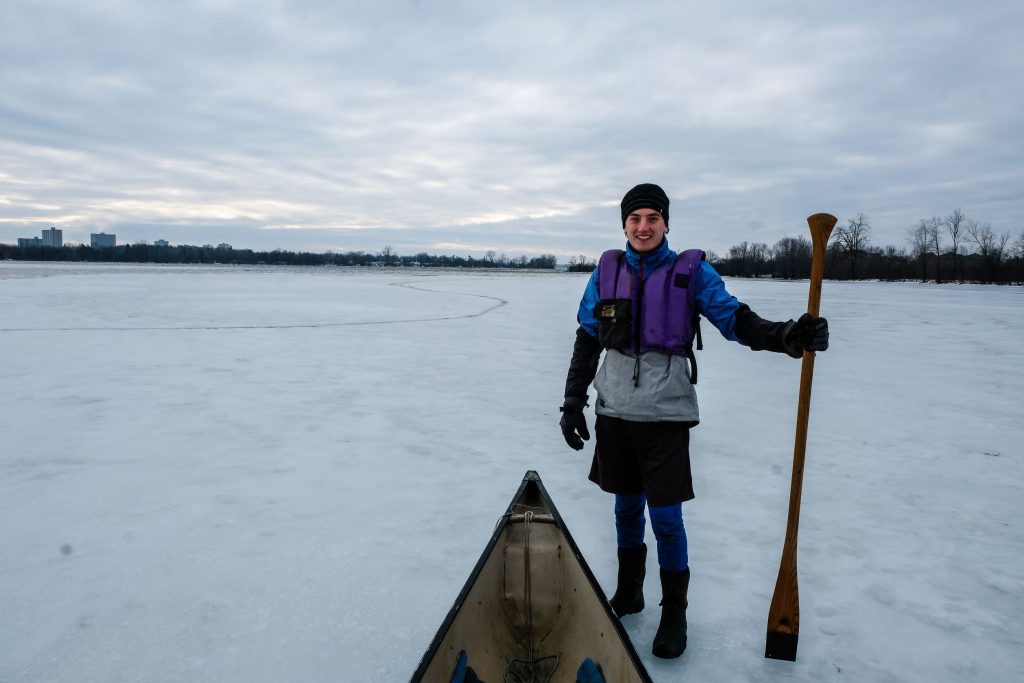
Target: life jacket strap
693 361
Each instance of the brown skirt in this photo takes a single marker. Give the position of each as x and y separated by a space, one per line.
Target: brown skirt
652 458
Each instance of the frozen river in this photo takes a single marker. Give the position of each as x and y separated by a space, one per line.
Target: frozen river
243 474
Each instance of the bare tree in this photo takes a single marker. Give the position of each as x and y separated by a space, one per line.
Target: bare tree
1017 273
490 256
852 239
954 224
739 255
934 231
892 262
918 239
581 264
759 255
792 256
739 251
386 253
1018 246
991 247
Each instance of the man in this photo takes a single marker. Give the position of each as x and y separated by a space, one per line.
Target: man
642 307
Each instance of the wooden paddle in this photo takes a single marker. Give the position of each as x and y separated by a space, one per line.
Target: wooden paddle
784 614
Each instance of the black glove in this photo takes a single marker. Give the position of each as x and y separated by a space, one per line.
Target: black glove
574 423
585 355
806 334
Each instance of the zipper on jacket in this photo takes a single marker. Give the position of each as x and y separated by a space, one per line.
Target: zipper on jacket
638 328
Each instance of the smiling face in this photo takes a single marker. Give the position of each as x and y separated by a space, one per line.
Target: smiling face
645 228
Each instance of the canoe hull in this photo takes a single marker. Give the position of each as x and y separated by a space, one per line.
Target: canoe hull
531 606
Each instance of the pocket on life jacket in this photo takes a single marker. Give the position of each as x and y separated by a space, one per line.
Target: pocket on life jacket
614 323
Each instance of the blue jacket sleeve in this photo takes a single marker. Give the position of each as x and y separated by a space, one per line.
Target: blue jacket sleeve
588 304
714 302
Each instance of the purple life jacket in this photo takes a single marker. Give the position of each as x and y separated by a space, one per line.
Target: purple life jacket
659 304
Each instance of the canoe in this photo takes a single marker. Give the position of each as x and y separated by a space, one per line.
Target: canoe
531 609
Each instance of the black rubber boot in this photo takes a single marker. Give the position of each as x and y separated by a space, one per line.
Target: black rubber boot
670 641
629 594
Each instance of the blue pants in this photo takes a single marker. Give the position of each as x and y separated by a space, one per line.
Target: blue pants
667 522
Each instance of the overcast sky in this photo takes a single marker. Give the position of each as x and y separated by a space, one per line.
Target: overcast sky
458 127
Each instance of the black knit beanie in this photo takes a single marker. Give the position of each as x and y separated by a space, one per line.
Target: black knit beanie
645 196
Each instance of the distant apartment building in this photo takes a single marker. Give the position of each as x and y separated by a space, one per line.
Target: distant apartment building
53 238
224 245
101 240
161 243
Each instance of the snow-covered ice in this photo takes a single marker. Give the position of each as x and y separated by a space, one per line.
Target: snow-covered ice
245 474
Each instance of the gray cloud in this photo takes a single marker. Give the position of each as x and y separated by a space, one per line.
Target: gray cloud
463 127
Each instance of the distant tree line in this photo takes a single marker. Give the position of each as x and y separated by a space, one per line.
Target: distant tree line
951 248
581 264
149 253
